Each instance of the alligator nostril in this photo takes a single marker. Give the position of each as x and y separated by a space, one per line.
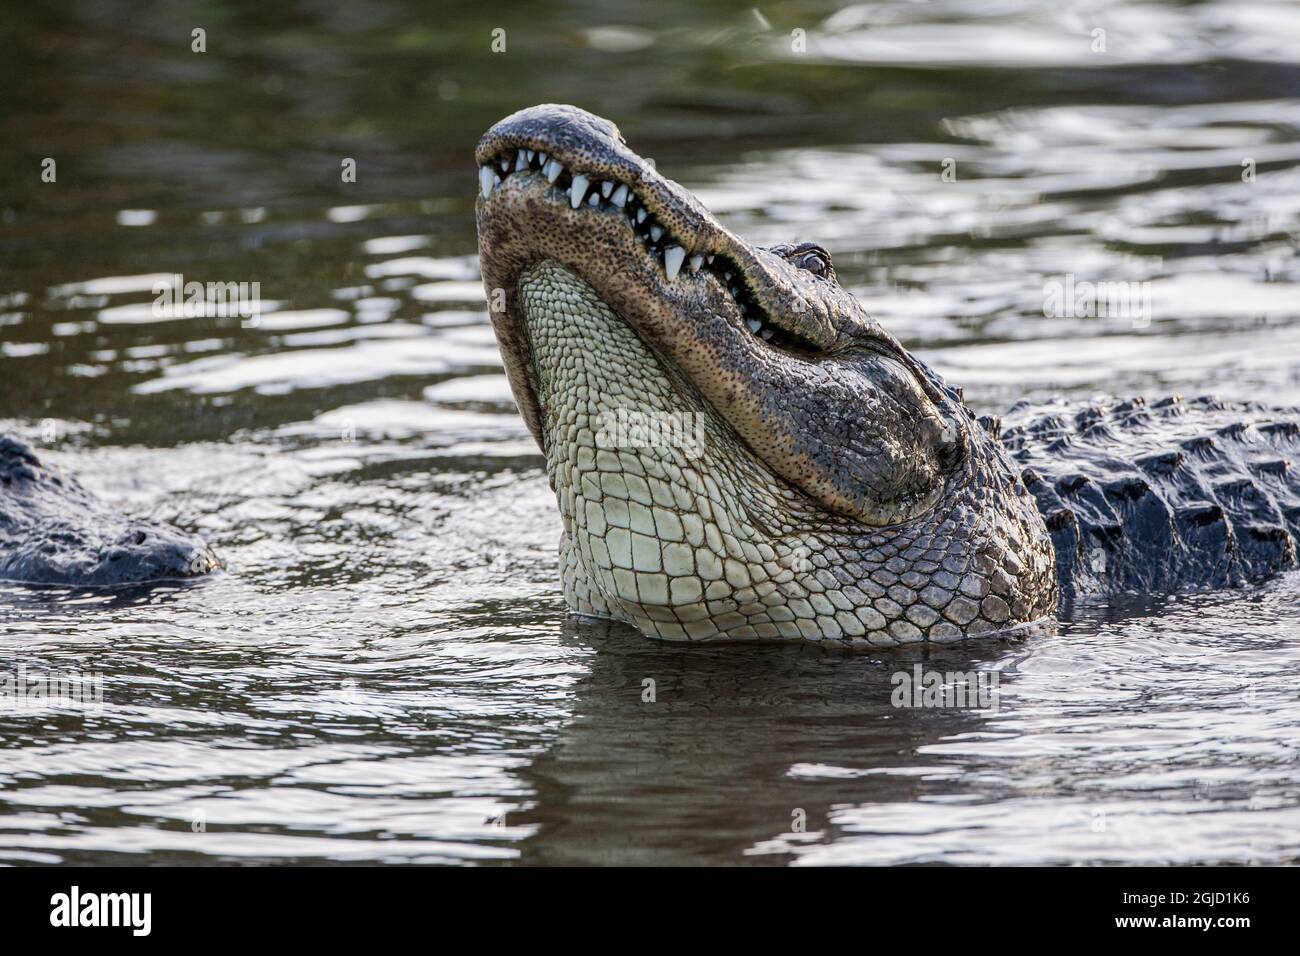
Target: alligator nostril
140 538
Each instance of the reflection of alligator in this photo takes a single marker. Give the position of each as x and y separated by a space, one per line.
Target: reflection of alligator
53 531
740 452
776 737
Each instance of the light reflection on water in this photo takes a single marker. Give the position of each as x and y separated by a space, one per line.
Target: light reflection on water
385 673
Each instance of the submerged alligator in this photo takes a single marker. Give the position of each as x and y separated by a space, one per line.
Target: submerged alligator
53 531
827 485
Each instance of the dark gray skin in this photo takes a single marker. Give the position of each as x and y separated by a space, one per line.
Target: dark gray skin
838 490
1164 496
54 532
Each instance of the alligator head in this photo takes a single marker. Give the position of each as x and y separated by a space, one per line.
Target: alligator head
53 531
739 451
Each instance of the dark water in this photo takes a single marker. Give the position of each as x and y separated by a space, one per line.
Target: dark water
386 673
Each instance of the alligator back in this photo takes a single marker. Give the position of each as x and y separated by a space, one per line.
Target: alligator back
1162 497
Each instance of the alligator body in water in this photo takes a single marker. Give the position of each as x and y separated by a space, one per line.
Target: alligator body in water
53 531
1164 496
740 452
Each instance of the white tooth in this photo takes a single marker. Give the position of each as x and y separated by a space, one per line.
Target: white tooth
754 325
593 200
710 260
521 160
640 216
541 157
766 333
673 257
505 165
656 233
577 191
485 174
553 171
530 153
619 197
496 180
696 262
606 188
726 275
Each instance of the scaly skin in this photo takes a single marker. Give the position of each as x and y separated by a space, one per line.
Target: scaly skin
1163 496
738 450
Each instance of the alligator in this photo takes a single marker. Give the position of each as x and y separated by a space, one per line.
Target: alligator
740 452
54 532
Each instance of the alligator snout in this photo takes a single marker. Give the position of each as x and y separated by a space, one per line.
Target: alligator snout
150 553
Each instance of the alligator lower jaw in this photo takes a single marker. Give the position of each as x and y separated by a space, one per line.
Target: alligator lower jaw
670 524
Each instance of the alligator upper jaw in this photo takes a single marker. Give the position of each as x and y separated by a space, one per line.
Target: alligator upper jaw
558 183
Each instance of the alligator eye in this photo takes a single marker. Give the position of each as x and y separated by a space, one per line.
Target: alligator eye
814 263
809 257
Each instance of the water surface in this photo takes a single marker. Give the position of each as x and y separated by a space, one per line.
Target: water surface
385 673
